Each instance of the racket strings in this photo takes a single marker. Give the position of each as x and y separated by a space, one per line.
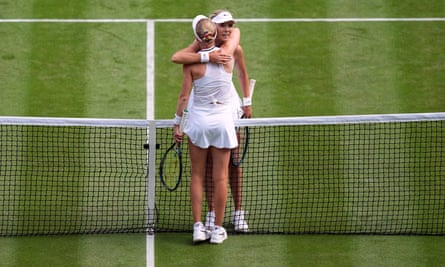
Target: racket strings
171 168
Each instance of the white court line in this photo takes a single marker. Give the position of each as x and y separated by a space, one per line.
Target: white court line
151 182
74 20
175 20
150 69
339 19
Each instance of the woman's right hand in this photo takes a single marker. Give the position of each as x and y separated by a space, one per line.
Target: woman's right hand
219 58
178 136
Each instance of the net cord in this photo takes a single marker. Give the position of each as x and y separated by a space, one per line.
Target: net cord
305 120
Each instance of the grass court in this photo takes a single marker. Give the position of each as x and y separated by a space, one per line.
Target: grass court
303 68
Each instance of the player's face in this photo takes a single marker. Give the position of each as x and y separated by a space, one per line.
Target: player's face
224 30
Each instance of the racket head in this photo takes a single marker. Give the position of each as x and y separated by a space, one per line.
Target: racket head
170 168
238 154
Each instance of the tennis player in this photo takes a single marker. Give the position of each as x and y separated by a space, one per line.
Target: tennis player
228 40
210 128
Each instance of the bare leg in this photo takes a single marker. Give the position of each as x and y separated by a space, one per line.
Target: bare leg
209 183
235 176
235 185
198 163
221 159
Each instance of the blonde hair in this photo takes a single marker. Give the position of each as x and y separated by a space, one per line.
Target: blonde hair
206 30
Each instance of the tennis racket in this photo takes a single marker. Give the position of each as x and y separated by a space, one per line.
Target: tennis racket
238 154
170 168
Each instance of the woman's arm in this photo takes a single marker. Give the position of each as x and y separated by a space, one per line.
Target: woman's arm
183 98
243 79
189 54
185 90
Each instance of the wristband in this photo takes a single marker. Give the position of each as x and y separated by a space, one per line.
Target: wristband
177 119
247 101
204 57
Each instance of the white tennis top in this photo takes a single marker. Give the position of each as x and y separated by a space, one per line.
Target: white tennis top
211 120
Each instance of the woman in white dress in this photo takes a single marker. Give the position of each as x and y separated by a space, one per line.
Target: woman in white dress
210 128
228 40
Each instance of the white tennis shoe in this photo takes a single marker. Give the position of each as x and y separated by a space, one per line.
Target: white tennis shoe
238 221
219 234
200 232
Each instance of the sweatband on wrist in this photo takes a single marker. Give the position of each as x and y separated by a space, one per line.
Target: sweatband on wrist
247 101
204 57
177 119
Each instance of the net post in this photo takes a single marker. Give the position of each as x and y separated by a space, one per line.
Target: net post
151 175
151 184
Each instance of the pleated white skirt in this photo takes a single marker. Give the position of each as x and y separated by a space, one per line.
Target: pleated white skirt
211 125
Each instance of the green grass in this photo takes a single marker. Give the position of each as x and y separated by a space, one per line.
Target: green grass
98 70
268 250
304 250
74 250
329 69
73 70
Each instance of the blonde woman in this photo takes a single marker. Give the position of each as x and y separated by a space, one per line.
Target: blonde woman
210 129
228 40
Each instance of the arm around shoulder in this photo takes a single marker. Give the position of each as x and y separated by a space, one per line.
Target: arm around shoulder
187 55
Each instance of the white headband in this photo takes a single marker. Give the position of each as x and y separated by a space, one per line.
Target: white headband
223 17
194 23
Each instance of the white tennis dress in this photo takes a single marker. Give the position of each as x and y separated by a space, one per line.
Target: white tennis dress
211 111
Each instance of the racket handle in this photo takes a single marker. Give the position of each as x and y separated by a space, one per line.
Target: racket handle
185 113
252 86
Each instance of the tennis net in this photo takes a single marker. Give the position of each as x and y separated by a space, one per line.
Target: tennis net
370 174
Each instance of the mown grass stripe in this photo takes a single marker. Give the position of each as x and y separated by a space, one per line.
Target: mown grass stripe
57 63
14 53
55 87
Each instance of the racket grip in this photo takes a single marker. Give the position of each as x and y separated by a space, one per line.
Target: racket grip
185 114
252 86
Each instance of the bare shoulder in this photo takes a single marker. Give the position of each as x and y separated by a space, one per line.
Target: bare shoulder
239 51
